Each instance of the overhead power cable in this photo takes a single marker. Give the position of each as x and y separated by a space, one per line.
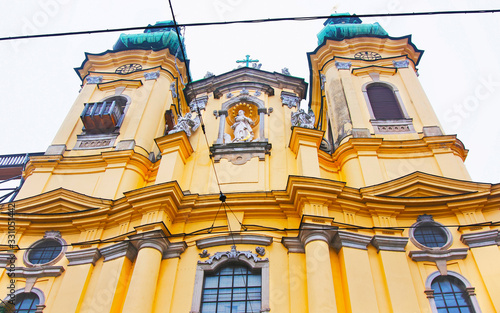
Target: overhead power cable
179 38
266 20
262 228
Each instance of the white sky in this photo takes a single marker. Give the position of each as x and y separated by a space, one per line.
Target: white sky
460 69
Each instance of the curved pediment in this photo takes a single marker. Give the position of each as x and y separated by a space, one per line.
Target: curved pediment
60 201
423 185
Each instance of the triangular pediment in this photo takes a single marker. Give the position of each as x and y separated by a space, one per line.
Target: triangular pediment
59 202
423 185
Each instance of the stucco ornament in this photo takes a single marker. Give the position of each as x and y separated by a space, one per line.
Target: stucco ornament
233 255
242 128
173 90
186 124
302 119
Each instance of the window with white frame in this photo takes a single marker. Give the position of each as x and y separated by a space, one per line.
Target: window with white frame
233 288
451 293
387 112
231 282
429 234
46 251
31 301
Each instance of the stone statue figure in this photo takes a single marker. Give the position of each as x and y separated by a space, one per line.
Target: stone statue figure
302 119
242 128
186 124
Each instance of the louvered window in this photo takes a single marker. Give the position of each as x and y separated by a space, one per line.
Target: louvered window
103 117
384 104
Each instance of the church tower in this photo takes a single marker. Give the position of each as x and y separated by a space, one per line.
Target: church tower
375 115
128 95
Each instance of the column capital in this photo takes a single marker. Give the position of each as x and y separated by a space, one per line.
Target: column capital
154 239
389 243
312 232
350 240
79 257
481 239
119 250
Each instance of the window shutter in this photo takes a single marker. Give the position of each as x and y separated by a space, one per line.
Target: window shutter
384 103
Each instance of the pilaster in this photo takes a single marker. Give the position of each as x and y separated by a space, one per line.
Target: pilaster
391 250
486 254
320 289
152 247
75 282
175 150
355 265
305 143
111 286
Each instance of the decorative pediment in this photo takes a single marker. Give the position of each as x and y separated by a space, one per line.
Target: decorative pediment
234 255
422 185
60 201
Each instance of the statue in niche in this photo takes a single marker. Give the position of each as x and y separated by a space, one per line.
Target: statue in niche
186 124
302 119
242 128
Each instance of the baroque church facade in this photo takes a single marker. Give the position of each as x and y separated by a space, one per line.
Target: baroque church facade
161 194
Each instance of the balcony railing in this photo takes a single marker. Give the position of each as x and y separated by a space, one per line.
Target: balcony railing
101 117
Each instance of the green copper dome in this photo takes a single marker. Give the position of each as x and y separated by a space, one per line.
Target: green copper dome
343 25
157 37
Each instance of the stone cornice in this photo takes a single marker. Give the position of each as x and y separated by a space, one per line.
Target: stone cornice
100 62
389 243
7 259
38 271
79 257
245 74
235 239
305 136
175 249
68 211
440 257
119 250
350 240
218 92
481 239
293 244
175 142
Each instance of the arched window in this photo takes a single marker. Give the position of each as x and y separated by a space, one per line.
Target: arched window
233 288
451 293
383 101
26 302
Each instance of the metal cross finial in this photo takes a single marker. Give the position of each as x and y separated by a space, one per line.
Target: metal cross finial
247 61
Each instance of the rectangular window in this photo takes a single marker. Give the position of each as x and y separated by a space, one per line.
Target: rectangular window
232 289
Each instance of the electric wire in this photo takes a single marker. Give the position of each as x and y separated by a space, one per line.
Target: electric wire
265 20
179 38
285 230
